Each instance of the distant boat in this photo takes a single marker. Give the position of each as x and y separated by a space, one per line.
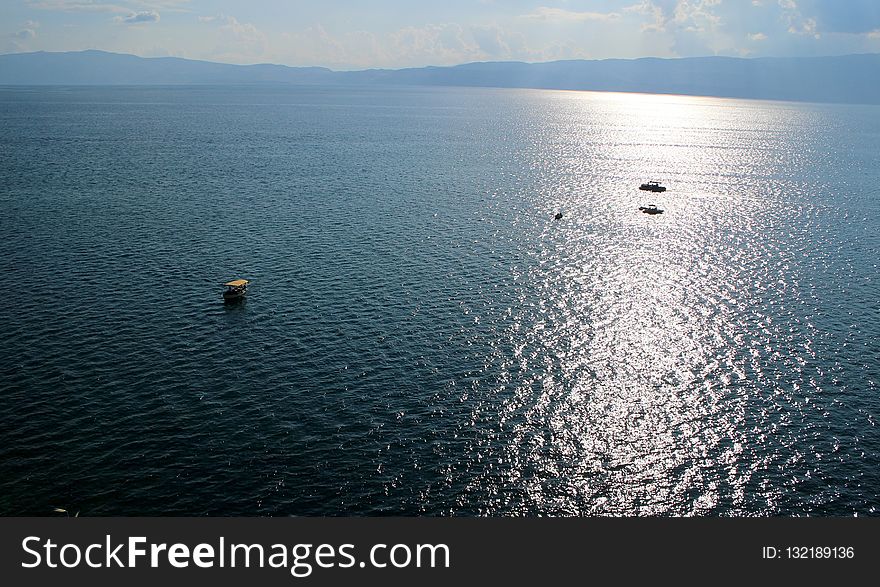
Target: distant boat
652 186
235 290
651 209
558 216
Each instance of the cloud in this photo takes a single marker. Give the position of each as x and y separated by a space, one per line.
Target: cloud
77 6
805 26
691 27
797 23
118 7
562 15
438 43
757 37
852 16
237 41
657 21
139 17
166 5
314 45
491 40
411 46
242 31
696 15
28 32
18 41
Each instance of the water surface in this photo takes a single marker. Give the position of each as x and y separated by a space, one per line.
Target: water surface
422 337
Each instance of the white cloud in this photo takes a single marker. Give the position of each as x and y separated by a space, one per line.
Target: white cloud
139 17
797 23
492 41
28 32
413 46
696 15
438 44
757 37
237 41
806 26
118 7
657 21
243 32
690 27
77 6
562 15
166 5
18 41
313 45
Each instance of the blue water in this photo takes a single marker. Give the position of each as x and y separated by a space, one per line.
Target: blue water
421 337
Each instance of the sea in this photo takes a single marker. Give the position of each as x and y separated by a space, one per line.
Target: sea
421 336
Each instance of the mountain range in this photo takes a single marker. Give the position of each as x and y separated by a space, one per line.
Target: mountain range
847 78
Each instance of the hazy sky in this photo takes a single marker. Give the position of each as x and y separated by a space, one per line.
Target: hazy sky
349 34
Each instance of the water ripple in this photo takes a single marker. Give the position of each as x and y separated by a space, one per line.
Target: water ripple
422 337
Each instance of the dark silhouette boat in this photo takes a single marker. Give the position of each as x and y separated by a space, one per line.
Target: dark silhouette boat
558 216
651 209
235 290
652 186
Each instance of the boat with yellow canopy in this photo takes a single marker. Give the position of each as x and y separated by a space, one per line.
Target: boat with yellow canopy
235 289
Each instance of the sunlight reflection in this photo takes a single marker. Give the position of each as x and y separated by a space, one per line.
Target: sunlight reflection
641 407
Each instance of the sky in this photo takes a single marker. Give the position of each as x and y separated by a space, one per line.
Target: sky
349 34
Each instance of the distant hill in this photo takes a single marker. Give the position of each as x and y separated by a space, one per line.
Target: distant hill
103 68
848 78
